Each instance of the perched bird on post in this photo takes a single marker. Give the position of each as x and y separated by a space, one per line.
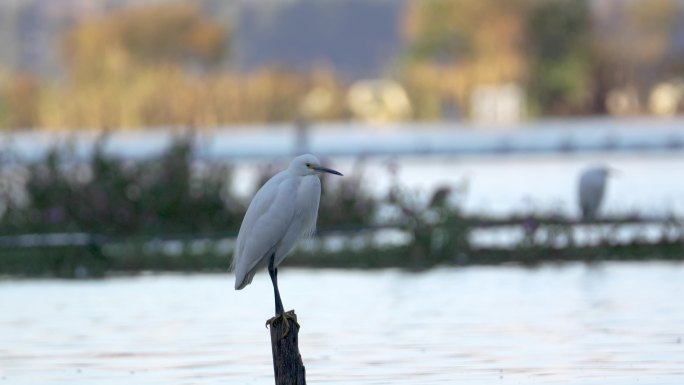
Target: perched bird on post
283 210
592 185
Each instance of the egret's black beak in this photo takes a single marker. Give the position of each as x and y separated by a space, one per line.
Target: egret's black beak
328 170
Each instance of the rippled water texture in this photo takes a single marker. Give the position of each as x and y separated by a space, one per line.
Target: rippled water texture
570 324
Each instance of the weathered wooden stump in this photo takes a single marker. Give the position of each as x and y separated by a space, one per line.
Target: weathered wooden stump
287 362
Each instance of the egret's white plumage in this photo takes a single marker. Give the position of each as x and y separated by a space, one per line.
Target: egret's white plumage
283 210
592 186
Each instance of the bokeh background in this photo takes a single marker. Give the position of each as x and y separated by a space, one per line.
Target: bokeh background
71 64
134 133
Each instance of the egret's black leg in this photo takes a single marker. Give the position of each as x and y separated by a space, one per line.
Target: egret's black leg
273 272
279 310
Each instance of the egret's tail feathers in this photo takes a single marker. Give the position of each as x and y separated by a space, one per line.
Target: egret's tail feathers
233 263
588 215
246 280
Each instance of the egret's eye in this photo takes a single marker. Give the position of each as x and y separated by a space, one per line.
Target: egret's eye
308 165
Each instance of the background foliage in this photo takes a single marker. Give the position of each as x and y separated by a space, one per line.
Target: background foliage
170 64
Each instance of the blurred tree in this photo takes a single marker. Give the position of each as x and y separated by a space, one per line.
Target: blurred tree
456 45
633 41
559 38
19 100
132 68
147 35
158 65
435 34
654 22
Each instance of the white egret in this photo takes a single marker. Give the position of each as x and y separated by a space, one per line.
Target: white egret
592 185
283 210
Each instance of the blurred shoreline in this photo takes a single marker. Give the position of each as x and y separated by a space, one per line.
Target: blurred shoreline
86 210
356 139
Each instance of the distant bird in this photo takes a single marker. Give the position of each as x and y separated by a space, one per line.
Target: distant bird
592 185
283 210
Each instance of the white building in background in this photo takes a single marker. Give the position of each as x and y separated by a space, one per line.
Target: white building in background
498 104
623 101
667 99
379 101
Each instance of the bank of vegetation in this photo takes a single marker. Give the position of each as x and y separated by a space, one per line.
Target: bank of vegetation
63 215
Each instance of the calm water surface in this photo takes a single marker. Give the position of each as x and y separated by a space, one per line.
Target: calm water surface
570 324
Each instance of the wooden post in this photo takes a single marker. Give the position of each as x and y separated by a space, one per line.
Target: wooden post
287 362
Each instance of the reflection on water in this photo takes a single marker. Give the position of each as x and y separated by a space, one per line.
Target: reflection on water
571 324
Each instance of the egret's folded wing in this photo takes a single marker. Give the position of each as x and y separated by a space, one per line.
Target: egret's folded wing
259 205
265 223
591 192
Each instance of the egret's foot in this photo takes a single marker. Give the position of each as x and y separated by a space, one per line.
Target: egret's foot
286 324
